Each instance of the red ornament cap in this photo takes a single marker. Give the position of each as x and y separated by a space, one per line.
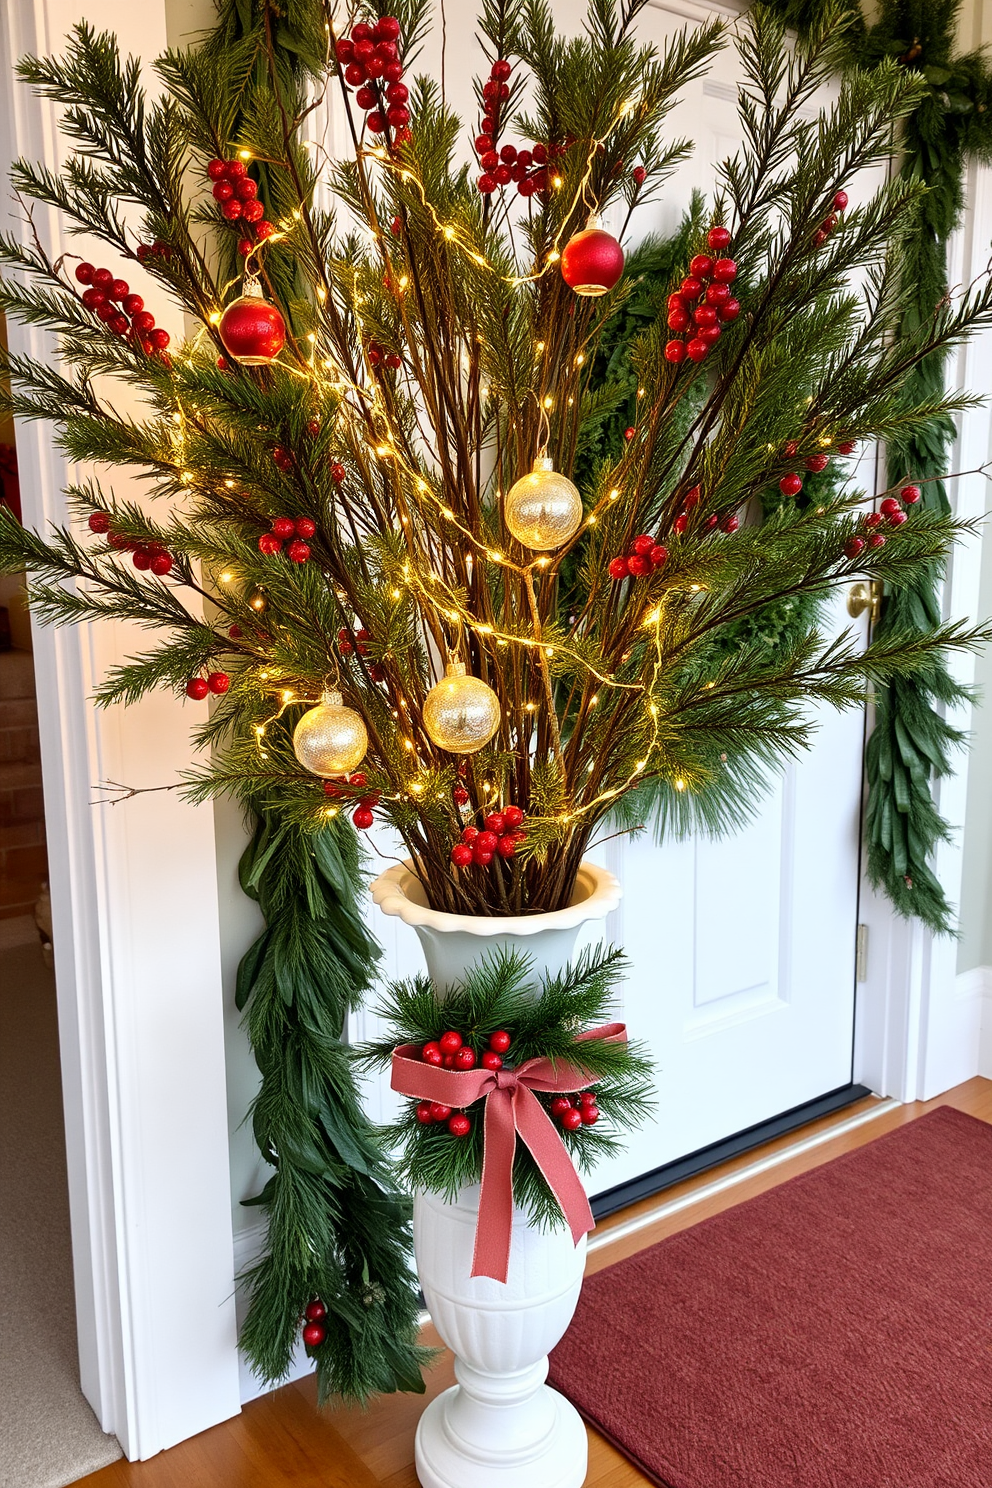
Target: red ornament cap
592 260
251 328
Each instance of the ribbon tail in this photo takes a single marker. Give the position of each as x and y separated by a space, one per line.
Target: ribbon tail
493 1231
551 1155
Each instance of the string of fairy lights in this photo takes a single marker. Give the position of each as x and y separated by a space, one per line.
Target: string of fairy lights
364 403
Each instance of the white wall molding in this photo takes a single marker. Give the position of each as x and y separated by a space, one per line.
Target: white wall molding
134 897
916 1036
974 989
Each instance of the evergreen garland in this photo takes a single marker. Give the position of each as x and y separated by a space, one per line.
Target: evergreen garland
911 742
338 1229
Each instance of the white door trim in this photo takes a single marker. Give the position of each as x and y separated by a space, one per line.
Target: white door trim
134 894
918 1028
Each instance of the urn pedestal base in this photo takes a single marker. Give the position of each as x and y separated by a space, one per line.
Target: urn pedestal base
501 1426
513 1431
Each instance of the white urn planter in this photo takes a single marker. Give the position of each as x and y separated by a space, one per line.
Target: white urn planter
500 1426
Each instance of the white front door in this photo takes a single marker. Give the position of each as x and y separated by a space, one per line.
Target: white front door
742 957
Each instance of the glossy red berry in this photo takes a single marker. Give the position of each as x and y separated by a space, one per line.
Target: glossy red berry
507 845
161 564
283 527
729 310
911 495
495 822
103 279
840 200
431 1052
791 484
481 858
588 1113
718 237
512 816
464 1058
459 1126
725 270
571 1119
817 463
897 518
628 434
232 210
197 688
469 834
658 555
701 267
873 519
499 1041
717 294
298 551
560 1105
618 569
449 1042
160 338
491 1060
888 506
678 319
85 272
704 315
680 524
674 352
730 524
639 175
876 540
638 565
697 349
313 1335
362 818
691 288
460 795
486 842
461 855
218 682
847 448
141 559
853 547
439 1111
315 1310
338 473
305 527
424 1113
98 522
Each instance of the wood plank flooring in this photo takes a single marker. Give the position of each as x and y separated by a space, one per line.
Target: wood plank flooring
283 1441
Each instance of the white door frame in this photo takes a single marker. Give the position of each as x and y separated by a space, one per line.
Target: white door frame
137 952
137 946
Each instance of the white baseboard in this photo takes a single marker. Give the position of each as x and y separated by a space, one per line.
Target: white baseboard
248 1246
977 983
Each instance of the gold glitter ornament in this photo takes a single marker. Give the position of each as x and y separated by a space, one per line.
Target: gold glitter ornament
330 739
543 509
461 713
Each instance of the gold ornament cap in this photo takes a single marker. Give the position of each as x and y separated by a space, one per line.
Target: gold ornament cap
461 713
330 739
543 509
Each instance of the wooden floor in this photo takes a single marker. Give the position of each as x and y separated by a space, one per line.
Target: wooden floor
282 1441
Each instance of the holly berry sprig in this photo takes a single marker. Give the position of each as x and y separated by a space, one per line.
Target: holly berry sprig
829 222
501 833
146 556
890 513
122 312
703 302
573 1113
450 1051
236 193
371 61
645 554
377 354
294 532
314 1331
197 688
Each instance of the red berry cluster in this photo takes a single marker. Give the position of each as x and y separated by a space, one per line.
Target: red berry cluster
460 797
336 788
377 354
121 311
502 830
646 554
158 249
293 532
283 459
371 61
198 687
145 555
360 644
702 302
450 1051
314 1331
890 513
829 222
237 196
583 1111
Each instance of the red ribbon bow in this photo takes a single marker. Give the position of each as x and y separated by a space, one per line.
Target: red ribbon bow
512 1108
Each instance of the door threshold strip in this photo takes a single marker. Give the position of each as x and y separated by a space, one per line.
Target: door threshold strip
740 1175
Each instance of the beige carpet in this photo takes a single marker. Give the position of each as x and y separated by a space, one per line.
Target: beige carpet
48 1434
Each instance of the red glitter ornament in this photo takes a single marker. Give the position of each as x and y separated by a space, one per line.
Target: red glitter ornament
592 260
251 328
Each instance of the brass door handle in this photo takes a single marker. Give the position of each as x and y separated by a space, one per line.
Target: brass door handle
863 597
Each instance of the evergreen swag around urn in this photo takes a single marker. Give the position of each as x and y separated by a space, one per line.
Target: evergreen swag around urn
332 519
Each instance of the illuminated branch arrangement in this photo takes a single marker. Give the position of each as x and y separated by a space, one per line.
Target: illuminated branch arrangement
367 447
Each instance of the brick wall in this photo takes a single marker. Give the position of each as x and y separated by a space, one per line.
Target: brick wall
23 860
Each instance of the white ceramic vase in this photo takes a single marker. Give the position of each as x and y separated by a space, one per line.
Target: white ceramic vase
500 1426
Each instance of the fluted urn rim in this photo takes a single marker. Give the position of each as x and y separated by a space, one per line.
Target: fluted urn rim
399 892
